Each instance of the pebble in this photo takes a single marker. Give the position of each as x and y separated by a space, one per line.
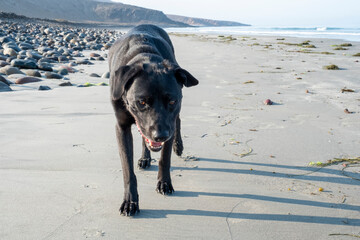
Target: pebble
268 102
99 58
19 63
25 80
64 84
35 55
44 88
33 73
9 51
68 68
52 75
94 75
4 87
45 66
3 63
4 80
94 55
8 70
62 71
105 75
84 62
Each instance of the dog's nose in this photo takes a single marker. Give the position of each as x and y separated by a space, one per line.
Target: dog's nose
161 136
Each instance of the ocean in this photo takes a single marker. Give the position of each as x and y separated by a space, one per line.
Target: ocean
349 34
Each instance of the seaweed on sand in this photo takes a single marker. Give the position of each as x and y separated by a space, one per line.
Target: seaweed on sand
331 67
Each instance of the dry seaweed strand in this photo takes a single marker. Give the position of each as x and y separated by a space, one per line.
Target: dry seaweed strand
335 161
344 234
351 162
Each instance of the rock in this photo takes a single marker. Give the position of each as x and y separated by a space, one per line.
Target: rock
16 76
25 46
64 84
100 58
63 71
12 45
69 37
23 64
44 88
105 75
4 80
33 73
34 55
107 46
63 58
45 66
46 60
8 70
9 59
69 69
94 75
44 49
96 47
6 40
4 87
94 55
84 61
9 51
51 75
25 80
3 63
48 31
268 102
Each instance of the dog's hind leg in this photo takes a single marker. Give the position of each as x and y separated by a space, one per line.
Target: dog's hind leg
178 144
145 160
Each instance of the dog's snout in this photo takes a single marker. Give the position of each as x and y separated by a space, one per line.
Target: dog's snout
160 136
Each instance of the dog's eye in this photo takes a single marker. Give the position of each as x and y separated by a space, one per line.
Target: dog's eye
141 103
172 102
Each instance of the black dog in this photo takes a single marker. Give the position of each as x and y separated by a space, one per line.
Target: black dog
146 83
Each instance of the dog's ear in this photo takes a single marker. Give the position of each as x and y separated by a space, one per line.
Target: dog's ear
122 80
185 78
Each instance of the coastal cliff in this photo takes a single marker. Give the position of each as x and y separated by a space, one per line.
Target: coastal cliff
104 12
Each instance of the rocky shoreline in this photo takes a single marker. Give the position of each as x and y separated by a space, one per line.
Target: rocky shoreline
32 52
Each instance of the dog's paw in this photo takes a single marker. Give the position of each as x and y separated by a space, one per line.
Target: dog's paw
129 208
164 188
144 163
178 147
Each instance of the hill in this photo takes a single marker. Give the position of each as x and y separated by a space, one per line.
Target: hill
102 11
202 22
88 11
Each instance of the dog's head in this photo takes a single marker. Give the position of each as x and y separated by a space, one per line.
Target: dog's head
152 94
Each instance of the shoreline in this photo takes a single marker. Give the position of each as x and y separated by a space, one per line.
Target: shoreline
306 32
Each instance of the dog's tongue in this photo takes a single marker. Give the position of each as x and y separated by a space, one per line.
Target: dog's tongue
155 144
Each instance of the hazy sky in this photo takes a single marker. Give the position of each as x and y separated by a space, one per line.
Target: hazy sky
317 13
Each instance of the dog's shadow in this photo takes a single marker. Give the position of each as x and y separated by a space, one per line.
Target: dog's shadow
232 214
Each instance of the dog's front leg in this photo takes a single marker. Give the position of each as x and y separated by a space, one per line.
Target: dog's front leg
145 160
130 204
164 185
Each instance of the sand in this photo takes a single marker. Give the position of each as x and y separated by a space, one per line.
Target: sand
244 174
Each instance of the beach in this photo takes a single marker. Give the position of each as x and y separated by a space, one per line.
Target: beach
258 132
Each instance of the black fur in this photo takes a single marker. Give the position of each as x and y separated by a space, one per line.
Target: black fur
146 84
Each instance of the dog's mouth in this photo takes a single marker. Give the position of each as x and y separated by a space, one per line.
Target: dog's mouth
152 145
